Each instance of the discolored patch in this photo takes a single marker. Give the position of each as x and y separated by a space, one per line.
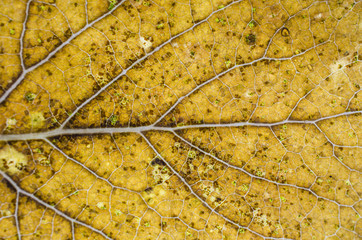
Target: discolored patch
285 32
12 161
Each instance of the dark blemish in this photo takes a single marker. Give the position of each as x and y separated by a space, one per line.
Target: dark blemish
158 162
250 39
285 32
68 33
8 184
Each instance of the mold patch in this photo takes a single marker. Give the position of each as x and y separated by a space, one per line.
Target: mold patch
12 161
37 120
146 44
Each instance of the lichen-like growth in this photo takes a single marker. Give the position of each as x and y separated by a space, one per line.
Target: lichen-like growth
12 161
145 44
112 4
37 120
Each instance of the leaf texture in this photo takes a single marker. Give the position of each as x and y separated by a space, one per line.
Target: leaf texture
192 119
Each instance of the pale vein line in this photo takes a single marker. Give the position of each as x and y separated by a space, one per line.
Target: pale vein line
16 215
198 197
105 179
86 168
254 176
51 54
22 39
84 131
139 129
241 124
73 233
124 72
41 202
226 71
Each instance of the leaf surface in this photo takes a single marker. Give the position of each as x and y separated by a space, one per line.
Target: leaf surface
180 119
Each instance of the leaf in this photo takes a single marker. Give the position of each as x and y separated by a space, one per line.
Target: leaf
180 119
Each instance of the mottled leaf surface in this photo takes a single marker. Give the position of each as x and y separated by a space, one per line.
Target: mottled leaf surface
185 119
